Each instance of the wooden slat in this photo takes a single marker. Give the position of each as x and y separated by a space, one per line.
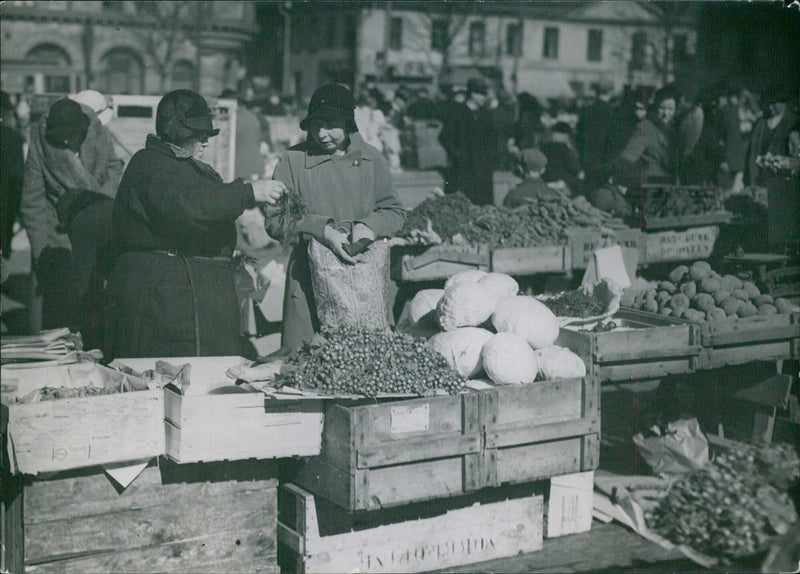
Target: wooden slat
649 354
391 486
539 460
530 432
752 333
645 370
551 400
241 551
418 449
528 260
178 521
740 354
330 482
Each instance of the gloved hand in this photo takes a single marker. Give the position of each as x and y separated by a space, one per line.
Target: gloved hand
335 240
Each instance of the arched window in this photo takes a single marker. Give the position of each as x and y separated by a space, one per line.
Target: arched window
121 72
56 66
183 75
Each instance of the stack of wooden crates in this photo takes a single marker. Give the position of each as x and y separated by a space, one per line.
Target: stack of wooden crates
469 472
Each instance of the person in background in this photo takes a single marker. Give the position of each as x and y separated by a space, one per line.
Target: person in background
171 292
71 176
530 166
562 160
370 120
529 129
729 130
11 173
772 134
347 188
648 156
469 138
594 135
249 163
98 103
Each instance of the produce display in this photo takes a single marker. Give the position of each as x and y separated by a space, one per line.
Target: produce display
56 393
576 303
698 293
486 327
671 201
604 327
453 218
363 362
733 505
289 209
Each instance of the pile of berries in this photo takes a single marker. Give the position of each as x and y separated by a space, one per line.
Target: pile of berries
366 362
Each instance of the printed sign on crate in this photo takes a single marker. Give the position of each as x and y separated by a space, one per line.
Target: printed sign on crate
685 245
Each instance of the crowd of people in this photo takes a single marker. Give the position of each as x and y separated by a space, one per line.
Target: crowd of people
140 261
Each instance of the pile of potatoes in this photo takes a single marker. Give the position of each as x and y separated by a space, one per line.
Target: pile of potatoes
698 293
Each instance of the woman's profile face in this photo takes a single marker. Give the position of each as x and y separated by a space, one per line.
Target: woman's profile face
329 135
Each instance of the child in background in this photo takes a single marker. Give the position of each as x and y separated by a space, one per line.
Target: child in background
531 164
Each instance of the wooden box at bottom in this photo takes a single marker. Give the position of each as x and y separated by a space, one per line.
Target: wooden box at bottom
460 534
188 518
540 431
393 453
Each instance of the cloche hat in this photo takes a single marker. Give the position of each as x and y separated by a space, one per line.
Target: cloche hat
183 114
331 102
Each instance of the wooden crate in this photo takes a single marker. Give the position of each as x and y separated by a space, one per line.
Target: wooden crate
647 345
531 260
65 434
188 518
681 245
682 221
583 242
541 430
202 427
387 454
437 262
749 339
461 535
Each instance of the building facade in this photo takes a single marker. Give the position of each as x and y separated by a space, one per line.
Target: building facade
123 47
551 49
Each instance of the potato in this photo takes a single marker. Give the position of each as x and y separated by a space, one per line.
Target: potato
715 314
741 294
747 310
651 293
783 305
763 300
767 309
726 284
698 273
731 306
651 305
721 295
694 315
735 281
666 311
689 289
638 300
668 286
663 297
709 285
679 301
703 264
751 288
678 313
678 273
703 302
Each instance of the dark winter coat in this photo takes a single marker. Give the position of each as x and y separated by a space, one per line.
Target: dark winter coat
171 291
342 190
470 139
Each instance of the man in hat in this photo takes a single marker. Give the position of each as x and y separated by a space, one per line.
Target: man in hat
594 135
469 136
531 164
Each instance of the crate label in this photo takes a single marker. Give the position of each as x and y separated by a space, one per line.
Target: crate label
694 243
477 548
405 419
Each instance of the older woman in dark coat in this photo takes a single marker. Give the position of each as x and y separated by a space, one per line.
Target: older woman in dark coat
171 292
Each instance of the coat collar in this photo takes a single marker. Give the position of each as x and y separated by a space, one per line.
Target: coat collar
355 153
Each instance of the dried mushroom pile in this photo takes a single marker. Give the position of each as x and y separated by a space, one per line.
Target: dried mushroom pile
363 362
732 506
540 222
698 293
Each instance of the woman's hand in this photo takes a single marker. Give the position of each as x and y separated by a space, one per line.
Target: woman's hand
268 190
336 240
361 231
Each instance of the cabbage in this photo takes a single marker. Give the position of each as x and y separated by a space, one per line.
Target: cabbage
462 349
468 276
559 363
465 304
509 360
528 318
500 285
